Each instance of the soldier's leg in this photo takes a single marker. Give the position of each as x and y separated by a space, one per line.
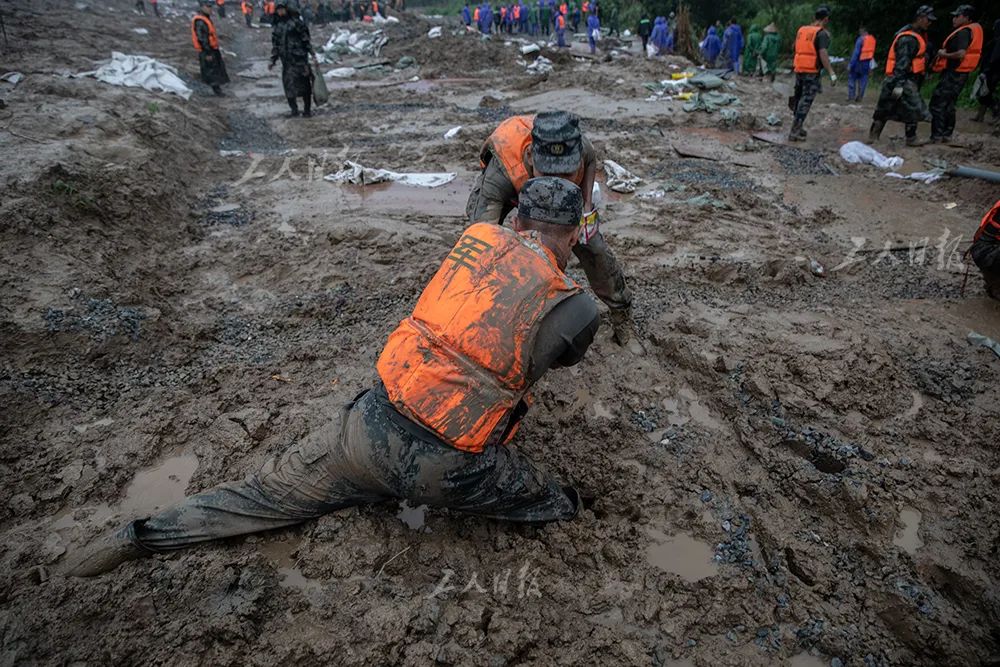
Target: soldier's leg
603 271
986 255
939 108
810 86
488 199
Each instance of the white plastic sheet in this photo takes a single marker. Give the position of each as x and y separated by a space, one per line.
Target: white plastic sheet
360 175
925 177
434 32
855 152
357 43
453 132
542 65
140 72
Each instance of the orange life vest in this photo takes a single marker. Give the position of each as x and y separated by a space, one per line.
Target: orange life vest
269 7
990 220
220 2
246 7
806 57
475 15
503 11
867 48
459 364
919 63
586 7
213 38
374 8
511 140
971 59
561 22
517 12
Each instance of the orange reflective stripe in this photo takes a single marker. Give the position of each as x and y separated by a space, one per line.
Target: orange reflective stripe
919 63
213 39
867 48
459 365
991 219
806 57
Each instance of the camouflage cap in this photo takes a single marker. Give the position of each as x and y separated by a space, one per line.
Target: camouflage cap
926 10
968 11
556 143
551 199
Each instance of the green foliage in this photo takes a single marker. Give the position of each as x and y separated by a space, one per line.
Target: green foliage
153 107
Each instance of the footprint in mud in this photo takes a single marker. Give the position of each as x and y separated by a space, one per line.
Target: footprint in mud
690 559
908 539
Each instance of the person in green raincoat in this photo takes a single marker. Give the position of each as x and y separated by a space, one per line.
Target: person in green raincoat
751 50
769 48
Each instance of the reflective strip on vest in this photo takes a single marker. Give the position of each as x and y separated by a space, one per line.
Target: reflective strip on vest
990 220
511 140
970 61
919 62
806 58
867 48
213 39
459 364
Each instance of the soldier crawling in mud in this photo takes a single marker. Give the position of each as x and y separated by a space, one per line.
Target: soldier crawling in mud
985 251
290 44
904 73
454 379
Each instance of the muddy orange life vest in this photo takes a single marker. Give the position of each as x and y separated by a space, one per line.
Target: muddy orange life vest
919 63
991 222
806 57
971 59
867 48
246 7
459 364
213 38
510 142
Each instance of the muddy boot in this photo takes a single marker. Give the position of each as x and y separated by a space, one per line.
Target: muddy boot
915 142
876 131
307 104
980 115
293 104
104 554
218 91
621 325
797 133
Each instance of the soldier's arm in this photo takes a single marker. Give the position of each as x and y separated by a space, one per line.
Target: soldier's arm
274 44
564 335
589 174
306 41
496 191
960 43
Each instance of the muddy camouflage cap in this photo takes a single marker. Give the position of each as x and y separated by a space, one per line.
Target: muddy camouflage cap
926 10
551 199
556 143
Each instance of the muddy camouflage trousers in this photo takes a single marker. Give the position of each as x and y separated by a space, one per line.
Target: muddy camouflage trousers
488 202
943 102
908 109
367 454
807 87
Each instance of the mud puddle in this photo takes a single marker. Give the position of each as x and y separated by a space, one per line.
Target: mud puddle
413 517
283 555
908 539
150 490
681 554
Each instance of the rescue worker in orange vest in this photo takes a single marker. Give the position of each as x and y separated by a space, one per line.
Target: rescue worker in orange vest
561 30
955 60
550 144
985 250
222 8
860 66
247 8
811 56
905 66
206 43
454 380
156 7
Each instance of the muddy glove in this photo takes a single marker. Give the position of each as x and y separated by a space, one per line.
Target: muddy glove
897 92
833 79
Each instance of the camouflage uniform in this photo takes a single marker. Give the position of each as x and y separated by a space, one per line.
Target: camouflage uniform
910 108
807 87
949 87
493 196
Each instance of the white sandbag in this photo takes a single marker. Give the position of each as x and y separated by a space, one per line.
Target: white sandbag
855 152
360 175
139 72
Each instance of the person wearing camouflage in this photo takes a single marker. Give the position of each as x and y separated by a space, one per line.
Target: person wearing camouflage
291 45
453 385
551 144
900 98
955 60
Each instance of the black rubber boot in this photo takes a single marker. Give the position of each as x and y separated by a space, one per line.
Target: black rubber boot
876 131
293 104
